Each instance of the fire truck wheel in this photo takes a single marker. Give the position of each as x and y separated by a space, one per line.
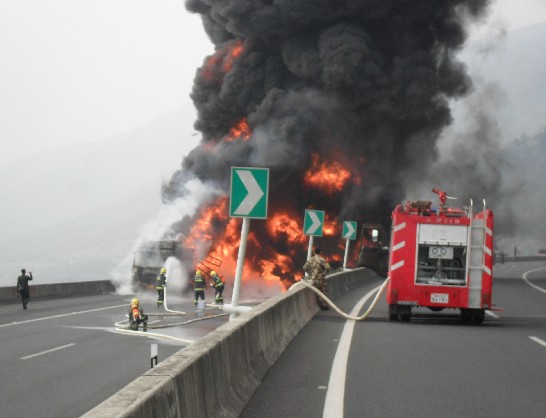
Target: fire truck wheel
466 316
479 316
405 313
393 313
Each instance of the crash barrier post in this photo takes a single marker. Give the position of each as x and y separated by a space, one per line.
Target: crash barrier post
228 363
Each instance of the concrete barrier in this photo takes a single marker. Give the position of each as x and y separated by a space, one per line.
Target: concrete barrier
58 290
217 375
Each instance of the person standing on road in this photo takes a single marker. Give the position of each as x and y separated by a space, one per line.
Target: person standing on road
317 267
160 286
199 286
218 285
23 289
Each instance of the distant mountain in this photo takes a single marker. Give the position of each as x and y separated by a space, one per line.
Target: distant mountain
74 213
55 185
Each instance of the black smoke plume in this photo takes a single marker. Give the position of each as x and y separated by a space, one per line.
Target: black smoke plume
365 83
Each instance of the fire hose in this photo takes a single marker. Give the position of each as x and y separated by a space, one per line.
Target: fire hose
122 327
339 311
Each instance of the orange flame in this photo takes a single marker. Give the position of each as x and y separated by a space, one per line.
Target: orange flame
330 177
233 54
221 62
239 130
282 223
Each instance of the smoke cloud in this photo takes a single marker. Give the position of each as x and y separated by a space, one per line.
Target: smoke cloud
363 83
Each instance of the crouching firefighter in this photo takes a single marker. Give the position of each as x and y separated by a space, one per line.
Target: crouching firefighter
218 285
137 317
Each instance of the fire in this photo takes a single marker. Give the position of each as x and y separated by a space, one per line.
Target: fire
221 62
330 177
240 130
330 227
282 224
234 53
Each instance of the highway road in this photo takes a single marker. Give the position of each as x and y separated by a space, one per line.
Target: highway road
432 366
60 358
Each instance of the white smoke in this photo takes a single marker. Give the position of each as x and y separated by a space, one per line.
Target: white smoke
160 227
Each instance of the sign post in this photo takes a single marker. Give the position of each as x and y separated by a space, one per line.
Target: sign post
313 223
249 197
349 233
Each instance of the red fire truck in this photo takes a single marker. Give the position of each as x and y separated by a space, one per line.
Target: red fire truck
440 257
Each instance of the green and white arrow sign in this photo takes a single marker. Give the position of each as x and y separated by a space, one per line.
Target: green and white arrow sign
349 230
249 192
313 222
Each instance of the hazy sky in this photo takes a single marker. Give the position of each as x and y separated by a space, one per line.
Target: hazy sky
75 70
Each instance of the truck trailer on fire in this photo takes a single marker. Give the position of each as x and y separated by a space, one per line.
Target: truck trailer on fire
440 257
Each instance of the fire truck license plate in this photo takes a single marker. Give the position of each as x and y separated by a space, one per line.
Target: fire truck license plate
439 298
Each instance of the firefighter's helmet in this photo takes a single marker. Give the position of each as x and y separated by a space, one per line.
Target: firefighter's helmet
134 301
163 270
213 273
198 273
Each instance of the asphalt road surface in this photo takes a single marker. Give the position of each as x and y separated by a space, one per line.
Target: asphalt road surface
433 366
60 358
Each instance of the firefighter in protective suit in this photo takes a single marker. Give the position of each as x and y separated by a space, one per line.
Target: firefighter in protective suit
218 285
137 317
199 286
160 286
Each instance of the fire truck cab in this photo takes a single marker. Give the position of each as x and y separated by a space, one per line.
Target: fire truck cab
440 257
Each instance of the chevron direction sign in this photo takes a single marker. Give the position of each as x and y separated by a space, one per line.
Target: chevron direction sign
313 222
249 192
349 230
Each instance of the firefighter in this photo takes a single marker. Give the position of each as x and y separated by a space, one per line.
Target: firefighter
160 286
317 267
218 285
199 286
136 316
23 290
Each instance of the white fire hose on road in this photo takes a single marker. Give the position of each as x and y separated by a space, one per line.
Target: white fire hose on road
339 311
122 327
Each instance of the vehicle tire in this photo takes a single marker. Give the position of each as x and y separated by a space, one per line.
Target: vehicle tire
478 316
405 313
466 316
435 308
393 313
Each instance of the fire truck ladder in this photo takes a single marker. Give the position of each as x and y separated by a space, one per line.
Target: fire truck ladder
475 257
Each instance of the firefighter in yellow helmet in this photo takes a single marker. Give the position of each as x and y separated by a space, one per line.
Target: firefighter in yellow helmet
198 286
160 286
218 285
136 316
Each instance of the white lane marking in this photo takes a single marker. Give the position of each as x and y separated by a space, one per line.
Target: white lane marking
540 289
492 314
61 315
538 340
333 405
47 351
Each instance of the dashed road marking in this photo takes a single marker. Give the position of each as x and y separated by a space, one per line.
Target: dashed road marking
59 316
538 340
47 351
